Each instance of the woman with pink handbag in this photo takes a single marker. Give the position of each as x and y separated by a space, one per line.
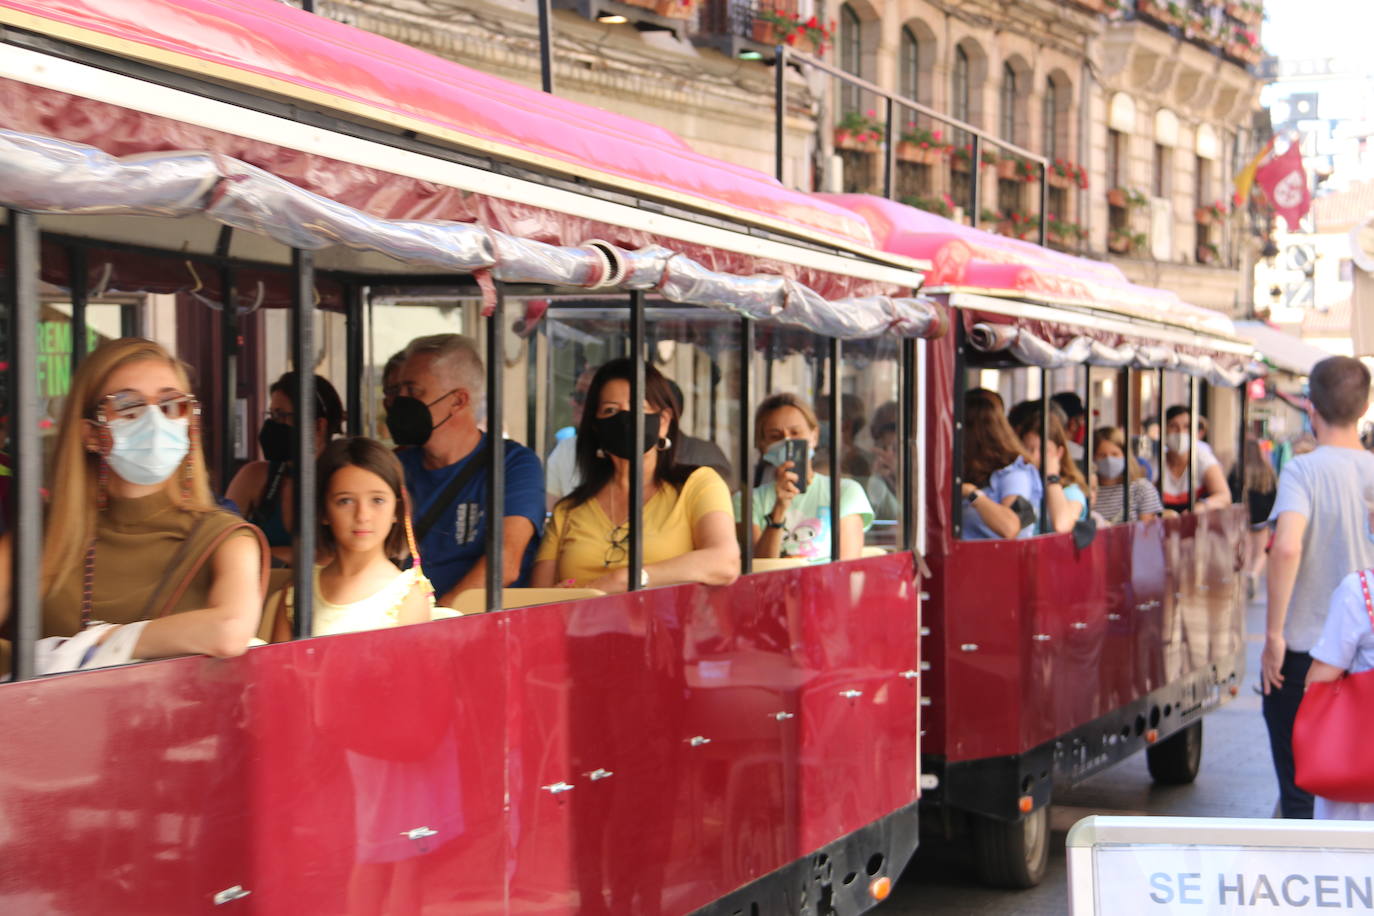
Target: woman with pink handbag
1333 746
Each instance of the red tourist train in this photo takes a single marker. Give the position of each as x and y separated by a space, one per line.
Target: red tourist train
259 187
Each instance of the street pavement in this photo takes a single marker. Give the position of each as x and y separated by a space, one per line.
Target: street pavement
1236 780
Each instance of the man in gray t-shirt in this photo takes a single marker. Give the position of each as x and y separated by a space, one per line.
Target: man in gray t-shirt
1321 535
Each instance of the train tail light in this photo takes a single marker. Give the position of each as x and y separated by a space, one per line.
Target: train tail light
880 887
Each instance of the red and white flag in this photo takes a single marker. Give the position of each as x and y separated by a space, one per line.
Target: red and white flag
1285 183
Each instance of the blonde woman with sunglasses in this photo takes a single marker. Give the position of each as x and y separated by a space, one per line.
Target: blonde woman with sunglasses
136 552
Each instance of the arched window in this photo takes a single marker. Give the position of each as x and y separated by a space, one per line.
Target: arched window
910 64
960 100
851 56
1008 123
1050 120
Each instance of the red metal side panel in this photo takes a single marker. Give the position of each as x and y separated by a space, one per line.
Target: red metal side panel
364 738
857 712
1037 638
410 768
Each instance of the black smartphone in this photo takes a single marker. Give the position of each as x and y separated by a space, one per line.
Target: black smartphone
797 452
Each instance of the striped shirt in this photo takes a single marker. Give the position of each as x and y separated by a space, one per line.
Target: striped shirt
1144 498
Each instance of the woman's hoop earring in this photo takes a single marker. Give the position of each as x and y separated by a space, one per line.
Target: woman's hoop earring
664 444
600 453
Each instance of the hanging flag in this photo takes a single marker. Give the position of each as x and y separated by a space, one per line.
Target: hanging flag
1245 178
1284 180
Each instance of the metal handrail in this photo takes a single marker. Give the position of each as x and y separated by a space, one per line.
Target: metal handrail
785 55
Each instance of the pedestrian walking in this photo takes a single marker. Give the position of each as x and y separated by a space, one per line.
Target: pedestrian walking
1322 535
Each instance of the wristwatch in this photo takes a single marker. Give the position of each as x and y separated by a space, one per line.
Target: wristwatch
1053 478
973 495
769 523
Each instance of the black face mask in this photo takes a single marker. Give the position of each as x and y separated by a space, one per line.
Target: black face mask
409 422
613 433
277 440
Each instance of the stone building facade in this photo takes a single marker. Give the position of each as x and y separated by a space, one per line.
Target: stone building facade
1147 105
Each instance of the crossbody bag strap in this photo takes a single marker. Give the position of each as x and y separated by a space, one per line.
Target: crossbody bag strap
445 499
155 599
208 552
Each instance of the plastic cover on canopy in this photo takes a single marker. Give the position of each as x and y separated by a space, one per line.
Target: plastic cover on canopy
966 258
257 42
45 175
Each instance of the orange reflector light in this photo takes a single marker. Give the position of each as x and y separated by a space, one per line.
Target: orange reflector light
1234 690
880 887
1025 803
1152 736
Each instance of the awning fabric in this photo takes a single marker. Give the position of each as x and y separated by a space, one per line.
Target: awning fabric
964 258
270 46
1281 350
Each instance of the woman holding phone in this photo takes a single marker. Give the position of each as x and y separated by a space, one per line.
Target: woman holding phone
791 512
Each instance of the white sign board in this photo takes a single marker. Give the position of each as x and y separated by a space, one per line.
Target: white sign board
1144 866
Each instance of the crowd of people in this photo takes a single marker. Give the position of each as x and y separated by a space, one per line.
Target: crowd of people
402 526
1012 490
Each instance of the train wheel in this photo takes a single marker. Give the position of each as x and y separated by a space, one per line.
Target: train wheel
1176 760
1014 854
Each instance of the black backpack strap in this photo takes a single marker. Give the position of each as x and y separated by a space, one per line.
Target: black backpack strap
444 500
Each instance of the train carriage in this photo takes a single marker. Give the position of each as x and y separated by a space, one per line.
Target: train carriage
1051 658
262 188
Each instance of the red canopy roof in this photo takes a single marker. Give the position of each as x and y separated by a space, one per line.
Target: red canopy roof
966 258
270 45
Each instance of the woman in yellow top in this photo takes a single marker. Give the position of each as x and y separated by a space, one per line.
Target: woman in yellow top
689 530
133 534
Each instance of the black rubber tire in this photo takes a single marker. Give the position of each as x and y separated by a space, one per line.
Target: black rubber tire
1012 854
1176 760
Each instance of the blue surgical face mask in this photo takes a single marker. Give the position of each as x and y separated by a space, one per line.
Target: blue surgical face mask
148 449
1110 467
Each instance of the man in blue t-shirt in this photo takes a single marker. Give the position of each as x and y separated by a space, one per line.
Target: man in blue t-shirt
440 396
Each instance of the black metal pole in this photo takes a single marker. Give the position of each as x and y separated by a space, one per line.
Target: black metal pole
956 517
545 45
303 497
1244 439
1159 443
779 109
1044 198
308 5
26 509
1087 422
131 321
890 150
836 443
76 283
1192 441
354 325
1130 451
975 155
1044 525
746 445
636 502
496 451
531 387
228 375
907 392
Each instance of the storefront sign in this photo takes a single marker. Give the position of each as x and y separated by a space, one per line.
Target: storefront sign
1146 866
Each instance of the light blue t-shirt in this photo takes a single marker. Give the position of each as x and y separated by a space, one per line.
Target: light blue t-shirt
1016 479
1074 494
1329 487
806 523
